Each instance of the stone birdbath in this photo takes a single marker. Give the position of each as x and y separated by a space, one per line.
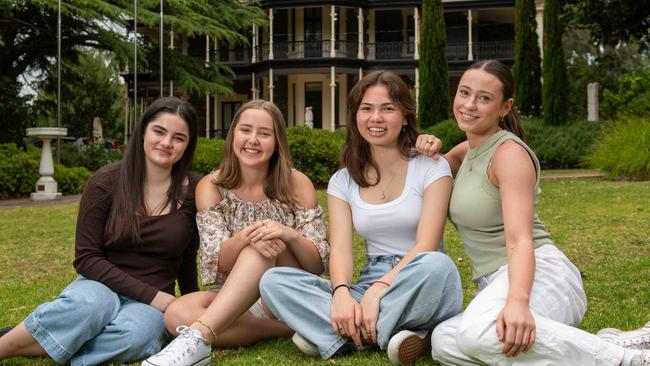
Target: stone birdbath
46 188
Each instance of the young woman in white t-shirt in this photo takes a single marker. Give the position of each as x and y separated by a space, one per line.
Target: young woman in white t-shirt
397 202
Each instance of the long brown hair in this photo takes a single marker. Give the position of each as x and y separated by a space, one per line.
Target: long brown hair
511 121
357 155
128 196
278 183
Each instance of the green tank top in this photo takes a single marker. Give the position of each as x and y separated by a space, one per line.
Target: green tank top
475 208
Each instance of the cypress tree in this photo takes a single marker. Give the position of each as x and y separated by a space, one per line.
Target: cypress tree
527 68
433 103
555 86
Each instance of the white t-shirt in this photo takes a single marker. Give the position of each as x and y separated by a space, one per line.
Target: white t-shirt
390 228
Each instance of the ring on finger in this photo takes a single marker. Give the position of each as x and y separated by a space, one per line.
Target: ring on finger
429 141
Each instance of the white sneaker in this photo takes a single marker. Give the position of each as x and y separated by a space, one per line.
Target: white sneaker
636 339
641 359
406 347
304 345
188 349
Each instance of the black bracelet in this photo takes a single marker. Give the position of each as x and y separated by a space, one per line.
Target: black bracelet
339 286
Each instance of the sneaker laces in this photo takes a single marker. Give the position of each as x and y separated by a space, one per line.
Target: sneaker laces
639 342
186 343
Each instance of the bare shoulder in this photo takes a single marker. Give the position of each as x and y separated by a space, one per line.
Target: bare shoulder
456 155
207 193
511 160
303 190
459 151
510 150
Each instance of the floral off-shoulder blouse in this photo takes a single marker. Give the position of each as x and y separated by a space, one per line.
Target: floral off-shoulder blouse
218 223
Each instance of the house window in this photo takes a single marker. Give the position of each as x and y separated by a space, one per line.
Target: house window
228 110
313 32
314 99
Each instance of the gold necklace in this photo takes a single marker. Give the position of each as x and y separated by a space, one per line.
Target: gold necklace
383 191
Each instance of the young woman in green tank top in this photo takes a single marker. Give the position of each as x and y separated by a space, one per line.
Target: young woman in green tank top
530 295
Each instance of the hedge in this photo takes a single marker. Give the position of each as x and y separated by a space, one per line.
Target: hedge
315 152
622 150
19 173
555 146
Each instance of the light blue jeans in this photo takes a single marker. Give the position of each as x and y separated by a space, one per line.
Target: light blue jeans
89 324
426 292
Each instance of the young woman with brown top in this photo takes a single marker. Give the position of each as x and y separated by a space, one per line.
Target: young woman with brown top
136 236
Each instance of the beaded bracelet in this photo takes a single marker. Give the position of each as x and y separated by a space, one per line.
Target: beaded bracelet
382 282
339 286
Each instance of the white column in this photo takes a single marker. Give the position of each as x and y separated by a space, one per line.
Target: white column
470 53
207 115
416 31
270 34
254 87
271 86
332 98
254 43
171 46
333 31
360 73
207 51
215 120
360 30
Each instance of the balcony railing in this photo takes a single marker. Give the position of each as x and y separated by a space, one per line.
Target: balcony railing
349 49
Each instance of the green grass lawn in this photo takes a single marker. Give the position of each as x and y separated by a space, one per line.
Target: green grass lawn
603 226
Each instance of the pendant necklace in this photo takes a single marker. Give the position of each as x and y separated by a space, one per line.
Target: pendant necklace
383 191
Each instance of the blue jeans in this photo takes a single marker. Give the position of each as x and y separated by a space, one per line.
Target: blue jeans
89 324
426 292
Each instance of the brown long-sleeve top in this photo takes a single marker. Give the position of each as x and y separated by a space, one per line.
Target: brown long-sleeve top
138 270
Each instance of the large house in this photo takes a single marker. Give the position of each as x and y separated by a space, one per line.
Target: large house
314 51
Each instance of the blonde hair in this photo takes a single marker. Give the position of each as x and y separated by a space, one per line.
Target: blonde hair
278 183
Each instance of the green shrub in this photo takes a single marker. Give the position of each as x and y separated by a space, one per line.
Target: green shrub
623 149
18 170
92 156
555 146
70 180
315 152
19 173
632 99
561 146
207 155
448 132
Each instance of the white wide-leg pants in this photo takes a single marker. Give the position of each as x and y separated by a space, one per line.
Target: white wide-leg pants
557 302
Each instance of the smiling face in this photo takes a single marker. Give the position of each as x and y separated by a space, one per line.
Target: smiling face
254 140
165 139
479 104
378 118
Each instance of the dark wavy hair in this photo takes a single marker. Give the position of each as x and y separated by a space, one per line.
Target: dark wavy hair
511 121
128 195
357 155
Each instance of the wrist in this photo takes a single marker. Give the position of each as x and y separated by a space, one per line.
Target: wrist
381 283
518 299
343 287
